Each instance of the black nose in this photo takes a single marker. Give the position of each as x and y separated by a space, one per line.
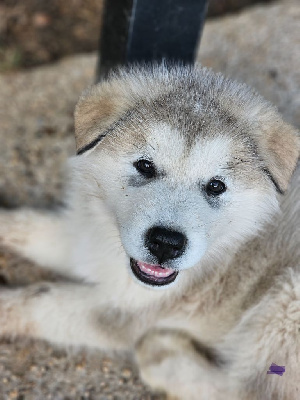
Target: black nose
165 244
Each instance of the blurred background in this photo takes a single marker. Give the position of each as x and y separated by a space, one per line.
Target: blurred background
34 32
48 55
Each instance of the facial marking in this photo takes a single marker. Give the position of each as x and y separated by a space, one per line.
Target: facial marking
139 181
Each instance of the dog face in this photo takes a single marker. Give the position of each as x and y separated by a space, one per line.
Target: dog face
182 161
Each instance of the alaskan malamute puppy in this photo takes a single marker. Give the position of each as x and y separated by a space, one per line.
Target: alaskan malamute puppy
183 232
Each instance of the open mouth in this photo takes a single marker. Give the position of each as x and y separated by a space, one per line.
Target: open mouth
154 275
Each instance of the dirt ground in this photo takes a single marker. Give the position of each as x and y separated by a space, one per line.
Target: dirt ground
259 46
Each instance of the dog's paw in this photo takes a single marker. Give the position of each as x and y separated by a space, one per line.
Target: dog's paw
13 229
153 354
174 363
15 313
8 312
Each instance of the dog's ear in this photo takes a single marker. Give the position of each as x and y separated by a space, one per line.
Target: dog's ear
98 107
279 146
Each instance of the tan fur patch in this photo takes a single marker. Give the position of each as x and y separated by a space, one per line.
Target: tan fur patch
95 111
281 148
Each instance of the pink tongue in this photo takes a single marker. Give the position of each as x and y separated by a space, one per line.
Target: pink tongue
155 270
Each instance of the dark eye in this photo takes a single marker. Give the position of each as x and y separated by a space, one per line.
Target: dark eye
146 168
215 187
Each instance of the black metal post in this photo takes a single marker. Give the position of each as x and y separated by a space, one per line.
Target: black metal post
149 30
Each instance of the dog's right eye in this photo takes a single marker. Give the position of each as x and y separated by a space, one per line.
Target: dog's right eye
146 168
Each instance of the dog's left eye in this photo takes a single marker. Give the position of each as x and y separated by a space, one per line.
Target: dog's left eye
215 187
146 168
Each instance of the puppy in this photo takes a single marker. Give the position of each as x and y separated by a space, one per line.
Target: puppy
181 233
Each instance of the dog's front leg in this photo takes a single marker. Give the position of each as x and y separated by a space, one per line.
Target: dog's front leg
66 314
38 235
173 362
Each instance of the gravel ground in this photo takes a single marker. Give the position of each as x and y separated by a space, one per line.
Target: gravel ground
35 370
36 113
259 46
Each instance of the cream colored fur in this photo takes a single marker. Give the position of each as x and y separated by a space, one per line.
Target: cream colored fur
235 306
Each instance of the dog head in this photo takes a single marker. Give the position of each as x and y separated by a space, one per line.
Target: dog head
189 164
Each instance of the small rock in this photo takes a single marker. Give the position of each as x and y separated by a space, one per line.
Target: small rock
126 373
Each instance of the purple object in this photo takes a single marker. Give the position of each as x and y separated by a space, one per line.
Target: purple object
276 369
